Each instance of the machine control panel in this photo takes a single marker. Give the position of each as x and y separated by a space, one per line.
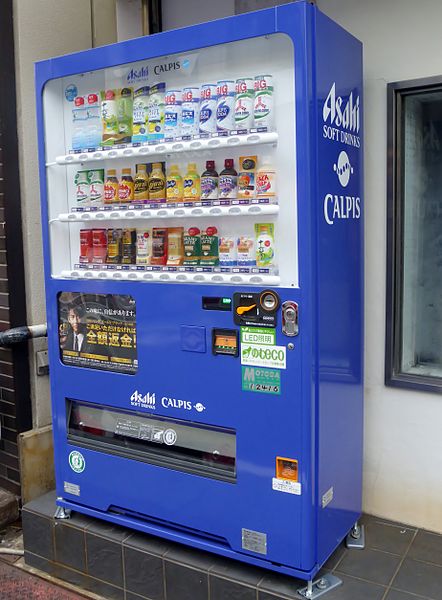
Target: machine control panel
255 308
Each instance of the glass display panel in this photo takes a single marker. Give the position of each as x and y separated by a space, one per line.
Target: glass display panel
421 352
204 450
178 168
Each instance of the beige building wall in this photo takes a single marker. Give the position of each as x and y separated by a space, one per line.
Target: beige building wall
403 441
42 29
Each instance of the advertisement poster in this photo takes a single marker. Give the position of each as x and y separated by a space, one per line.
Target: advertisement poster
98 331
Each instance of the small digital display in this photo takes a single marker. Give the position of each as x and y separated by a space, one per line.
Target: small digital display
217 303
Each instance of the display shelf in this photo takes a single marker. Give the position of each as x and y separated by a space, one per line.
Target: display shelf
255 207
170 147
182 274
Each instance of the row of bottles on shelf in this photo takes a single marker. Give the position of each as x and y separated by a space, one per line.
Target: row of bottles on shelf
121 116
176 246
154 184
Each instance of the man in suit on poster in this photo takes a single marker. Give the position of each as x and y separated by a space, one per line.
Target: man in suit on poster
75 339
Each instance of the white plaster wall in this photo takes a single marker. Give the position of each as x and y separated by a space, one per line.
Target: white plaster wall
179 13
403 441
42 29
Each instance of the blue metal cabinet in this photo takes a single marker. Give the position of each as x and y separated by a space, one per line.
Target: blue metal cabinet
237 507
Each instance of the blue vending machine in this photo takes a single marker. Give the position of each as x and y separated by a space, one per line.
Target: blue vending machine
201 194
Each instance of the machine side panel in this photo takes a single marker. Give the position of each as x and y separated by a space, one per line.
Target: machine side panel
340 282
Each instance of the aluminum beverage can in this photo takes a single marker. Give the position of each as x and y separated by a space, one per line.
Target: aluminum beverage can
129 246
190 111
225 107
208 100
114 246
99 245
172 113
86 249
244 103
263 108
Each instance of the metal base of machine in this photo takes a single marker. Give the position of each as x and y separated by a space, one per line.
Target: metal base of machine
61 512
319 587
355 540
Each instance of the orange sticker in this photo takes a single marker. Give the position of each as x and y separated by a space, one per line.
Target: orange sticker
286 468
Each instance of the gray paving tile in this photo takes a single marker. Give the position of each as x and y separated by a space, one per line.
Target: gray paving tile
237 571
148 543
43 505
396 595
223 589
355 589
38 536
143 574
351 589
419 578
427 547
371 565
283 585
108 530
70 546
104 559
370 518
388 537
332 562
189 556
185 584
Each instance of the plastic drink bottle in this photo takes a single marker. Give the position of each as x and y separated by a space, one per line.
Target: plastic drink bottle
228 180
126 188
79 116
111 187
172 113
141 184
209 182
190 111
174 185
208 108
192 184
93 122
244 103
225 107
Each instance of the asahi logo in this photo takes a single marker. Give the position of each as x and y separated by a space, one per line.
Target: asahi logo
138 75
341 118
143 400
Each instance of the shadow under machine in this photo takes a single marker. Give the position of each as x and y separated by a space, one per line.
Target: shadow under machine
202 227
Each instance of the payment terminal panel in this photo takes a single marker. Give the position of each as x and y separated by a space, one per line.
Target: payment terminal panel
202 207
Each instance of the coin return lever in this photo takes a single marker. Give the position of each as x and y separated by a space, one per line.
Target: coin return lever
290 318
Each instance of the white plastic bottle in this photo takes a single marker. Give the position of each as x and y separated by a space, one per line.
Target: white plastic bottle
79 116
266 179
93 122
